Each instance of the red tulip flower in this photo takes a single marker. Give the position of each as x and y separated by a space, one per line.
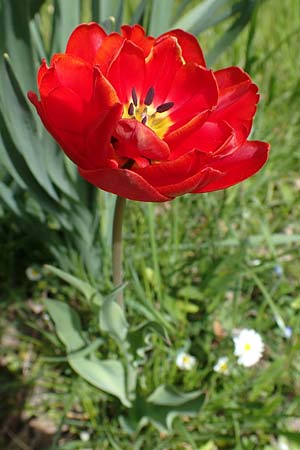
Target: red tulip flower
144 118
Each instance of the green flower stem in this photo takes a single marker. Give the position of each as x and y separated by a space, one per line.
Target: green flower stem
117 246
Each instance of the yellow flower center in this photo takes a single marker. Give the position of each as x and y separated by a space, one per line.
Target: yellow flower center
224 367
186 359
156 118
247 347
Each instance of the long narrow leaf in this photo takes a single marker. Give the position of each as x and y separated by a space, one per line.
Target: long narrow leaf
19 119
66 18
161 16
201 16
246 10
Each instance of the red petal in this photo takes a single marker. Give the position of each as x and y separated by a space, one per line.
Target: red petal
108 51
41 72
64 110
193 91
211 137
70 72
104 96
175 171
73 144
123 182
237 98
136 34
240 165
191 50
85 41
127 71
161 66
135 139
184 129
99 137
197 181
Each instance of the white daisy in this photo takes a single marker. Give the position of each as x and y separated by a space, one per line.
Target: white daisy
33 274
84 436
221 365
248 347
185 361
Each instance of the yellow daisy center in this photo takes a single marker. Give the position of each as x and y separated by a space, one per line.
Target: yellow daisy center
186 359
224 367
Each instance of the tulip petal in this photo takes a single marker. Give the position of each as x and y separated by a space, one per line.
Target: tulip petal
104 95
193 91
64 109
210 137
135 139
183 130
238 98
238 166
191 50
127 71
99 137
136 34
69 72
108 51
85 41
161 66
123 182
197 181
41 72
175 171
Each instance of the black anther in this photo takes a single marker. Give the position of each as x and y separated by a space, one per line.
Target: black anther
149 96
164 107
131 109
144 120
134 96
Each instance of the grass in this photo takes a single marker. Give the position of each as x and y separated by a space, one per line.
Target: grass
214 256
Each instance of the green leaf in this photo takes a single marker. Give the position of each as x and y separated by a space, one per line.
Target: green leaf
67 324
140 339
7 196
113 320
137 14
209 446
245 11
160 415
16 41
161 16
18 169
66 18
108 375
202 16
19 120
90 293
54 160
104 9
170 396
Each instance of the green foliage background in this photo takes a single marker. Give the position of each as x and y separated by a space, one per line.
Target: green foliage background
196 265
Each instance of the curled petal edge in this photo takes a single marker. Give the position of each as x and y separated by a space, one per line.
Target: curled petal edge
124 183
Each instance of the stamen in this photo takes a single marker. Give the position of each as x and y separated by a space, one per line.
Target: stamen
134 96
149 96
164 107
131 109
144 120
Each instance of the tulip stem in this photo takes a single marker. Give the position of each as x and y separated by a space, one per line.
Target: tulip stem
117 247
